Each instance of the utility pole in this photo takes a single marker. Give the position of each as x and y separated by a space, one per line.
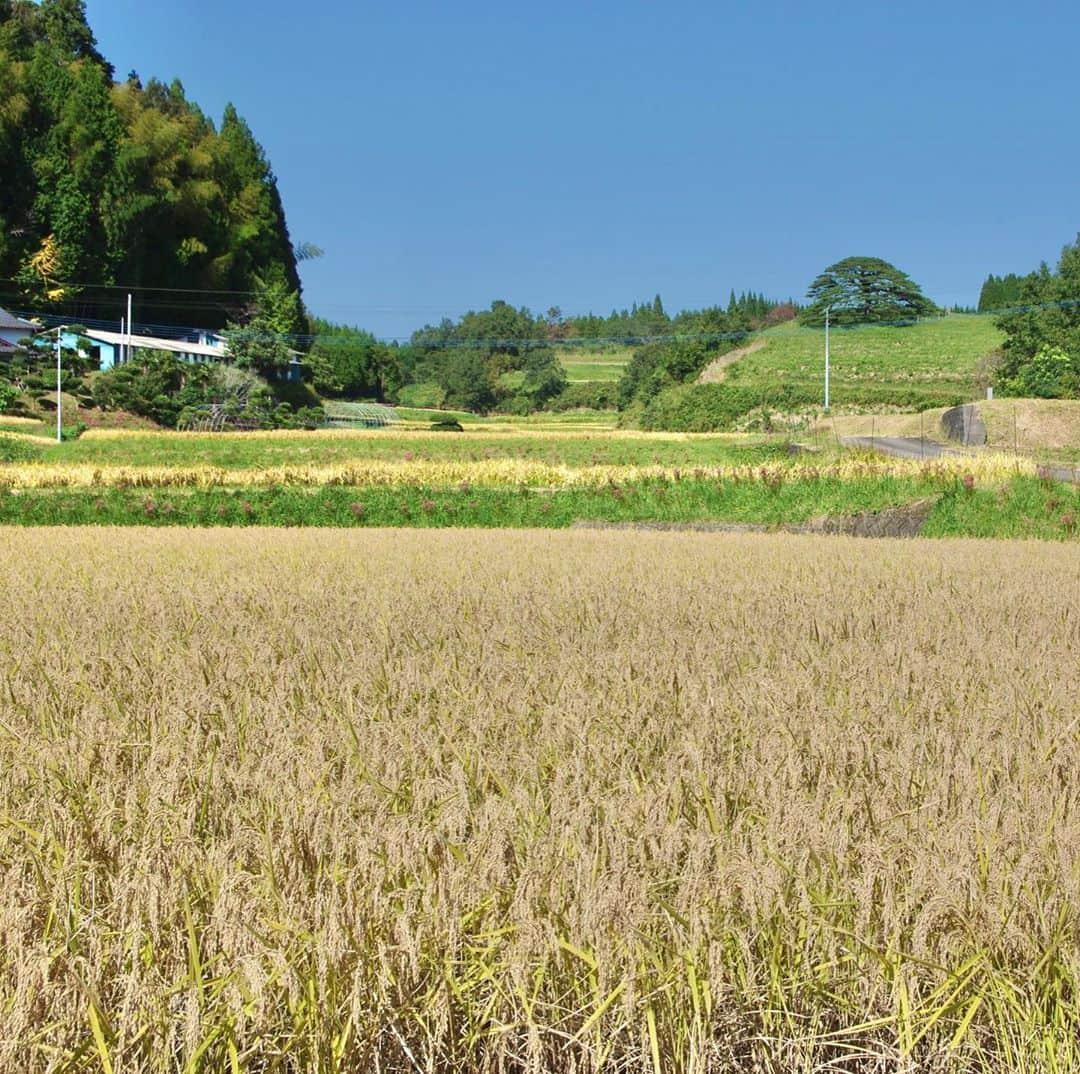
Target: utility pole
827 308
128 357
59 401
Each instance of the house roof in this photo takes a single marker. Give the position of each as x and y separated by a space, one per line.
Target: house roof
153 343
9 320
6 347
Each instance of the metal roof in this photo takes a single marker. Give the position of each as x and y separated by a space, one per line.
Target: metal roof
9 320
153 343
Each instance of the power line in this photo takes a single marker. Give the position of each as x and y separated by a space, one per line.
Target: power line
135 288
427 338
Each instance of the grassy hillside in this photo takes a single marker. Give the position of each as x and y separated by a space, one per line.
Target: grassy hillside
932 363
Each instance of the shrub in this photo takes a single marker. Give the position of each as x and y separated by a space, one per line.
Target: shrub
699 408
1051 374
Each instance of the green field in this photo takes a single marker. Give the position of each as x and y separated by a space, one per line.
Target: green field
506 477
1023 507
931 363
584 365
261 450
506 474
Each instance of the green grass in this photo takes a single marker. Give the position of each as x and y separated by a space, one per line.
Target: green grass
1023 508
545 418
687 500
242 451
26 428
432 414
931 363
584 365
426 394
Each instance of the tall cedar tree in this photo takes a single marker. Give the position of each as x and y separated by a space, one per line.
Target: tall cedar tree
1000 292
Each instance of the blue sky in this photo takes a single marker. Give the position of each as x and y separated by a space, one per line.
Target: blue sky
586 155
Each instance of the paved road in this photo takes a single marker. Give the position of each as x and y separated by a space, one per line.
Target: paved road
910 447
903 447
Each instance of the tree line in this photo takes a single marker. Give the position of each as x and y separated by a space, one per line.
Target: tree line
109 181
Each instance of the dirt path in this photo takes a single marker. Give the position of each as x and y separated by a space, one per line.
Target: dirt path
713 373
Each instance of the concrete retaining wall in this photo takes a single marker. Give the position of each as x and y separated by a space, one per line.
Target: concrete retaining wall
964 425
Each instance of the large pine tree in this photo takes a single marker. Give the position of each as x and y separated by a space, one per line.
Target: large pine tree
864 290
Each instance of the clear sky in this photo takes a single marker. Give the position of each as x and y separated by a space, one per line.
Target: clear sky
587 155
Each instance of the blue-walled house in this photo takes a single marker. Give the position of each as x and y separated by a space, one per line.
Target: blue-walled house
199 348
109 347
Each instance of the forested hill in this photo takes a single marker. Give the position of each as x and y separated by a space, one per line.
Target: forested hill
107 182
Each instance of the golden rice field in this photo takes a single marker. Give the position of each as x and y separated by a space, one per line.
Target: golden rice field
309 801
494 473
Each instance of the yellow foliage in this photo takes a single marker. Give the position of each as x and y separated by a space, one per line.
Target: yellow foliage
47 260
493 473
46 264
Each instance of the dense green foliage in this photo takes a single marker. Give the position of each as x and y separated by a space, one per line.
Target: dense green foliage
705 408
28 377
512 361
500 358
1042 336
119 182
588 395
1000 292
657 366
159 386
156 385
864 290
349 363
656 389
